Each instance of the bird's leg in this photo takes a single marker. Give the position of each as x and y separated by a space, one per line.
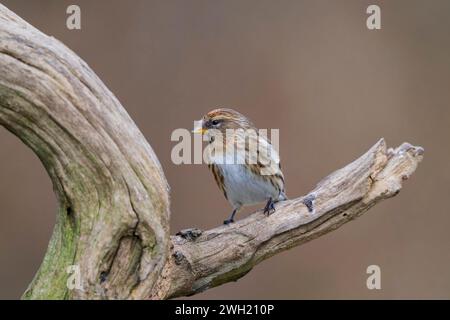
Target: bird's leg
269 208
231 219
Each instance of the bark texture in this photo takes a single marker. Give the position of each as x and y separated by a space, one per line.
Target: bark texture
113 217
113 199
202 260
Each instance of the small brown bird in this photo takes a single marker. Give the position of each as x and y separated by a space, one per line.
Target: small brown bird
244 163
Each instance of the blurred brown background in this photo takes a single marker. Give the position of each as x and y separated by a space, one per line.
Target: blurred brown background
310 68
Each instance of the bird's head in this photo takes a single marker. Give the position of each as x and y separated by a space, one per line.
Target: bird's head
219 120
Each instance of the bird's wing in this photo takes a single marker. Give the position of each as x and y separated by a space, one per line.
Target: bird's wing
218 177
265 162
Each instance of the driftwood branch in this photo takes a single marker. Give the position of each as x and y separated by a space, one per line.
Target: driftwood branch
113 215
112 221
202 260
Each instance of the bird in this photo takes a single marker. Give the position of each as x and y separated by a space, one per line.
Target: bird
245 174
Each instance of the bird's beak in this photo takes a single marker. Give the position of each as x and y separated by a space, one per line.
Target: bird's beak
198 128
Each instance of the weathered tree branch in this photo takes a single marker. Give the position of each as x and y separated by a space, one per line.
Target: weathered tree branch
202 260
113 197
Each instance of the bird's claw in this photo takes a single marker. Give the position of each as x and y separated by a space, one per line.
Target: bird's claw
269 208
228 221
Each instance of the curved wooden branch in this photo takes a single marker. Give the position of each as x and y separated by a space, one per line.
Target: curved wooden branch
113 214
113 198
202 260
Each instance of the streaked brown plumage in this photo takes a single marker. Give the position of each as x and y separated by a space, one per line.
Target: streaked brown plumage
245 176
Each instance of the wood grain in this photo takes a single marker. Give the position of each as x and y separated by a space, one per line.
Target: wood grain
113 198
202 260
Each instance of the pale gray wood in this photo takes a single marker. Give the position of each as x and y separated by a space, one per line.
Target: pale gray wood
202 260
113 197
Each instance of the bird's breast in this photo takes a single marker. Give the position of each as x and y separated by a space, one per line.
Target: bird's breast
243 187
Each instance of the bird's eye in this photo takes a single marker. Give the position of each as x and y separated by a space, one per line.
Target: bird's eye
215 122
